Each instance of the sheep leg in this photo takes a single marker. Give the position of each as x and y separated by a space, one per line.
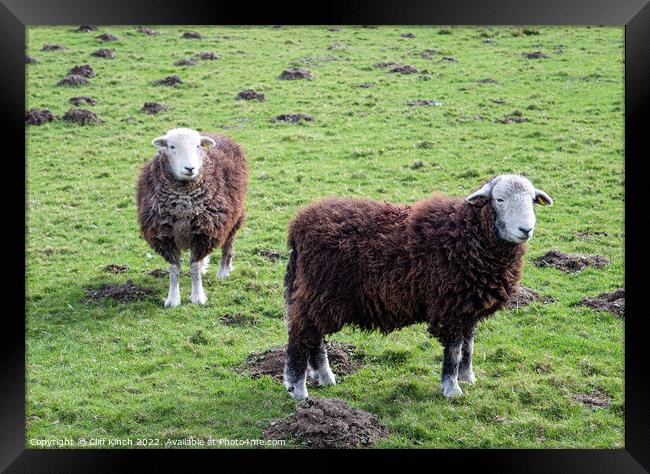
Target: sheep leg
465 371
225 267
196 266
204 264
174 294
302 340
320 367
450 364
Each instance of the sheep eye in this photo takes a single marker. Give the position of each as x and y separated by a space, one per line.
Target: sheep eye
172 147
499 200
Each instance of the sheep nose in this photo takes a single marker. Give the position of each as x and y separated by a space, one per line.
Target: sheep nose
189 170
526 231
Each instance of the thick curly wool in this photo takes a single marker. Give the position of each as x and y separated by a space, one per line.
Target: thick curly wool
200 214
384 266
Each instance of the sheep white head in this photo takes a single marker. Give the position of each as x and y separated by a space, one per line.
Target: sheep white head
183 148
512 197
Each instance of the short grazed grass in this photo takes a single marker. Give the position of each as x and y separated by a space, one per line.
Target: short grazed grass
136 370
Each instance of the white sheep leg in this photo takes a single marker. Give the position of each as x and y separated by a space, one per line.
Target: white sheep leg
450 363
465 371
204 264
296 386
319 366
174 294
224 270
198 295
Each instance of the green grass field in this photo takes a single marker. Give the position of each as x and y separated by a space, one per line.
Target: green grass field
136 370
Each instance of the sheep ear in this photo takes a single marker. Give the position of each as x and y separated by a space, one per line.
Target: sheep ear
208 142
484 192
160 142
542 198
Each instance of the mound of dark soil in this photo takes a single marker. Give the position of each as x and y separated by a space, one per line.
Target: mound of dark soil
525 296
185 62
147 31
116 268
168 81
84 70
122 293
428 53
272 255
82 99
535 55
104 53
407 35
423 102
403 69
238 319
293 118
191 35
86 28
208 56
52 47
570 262
613 302
153 108
487 81
158 273
594 400
30 60
327 423
106 37
344 360
250 94
296 73
38 116
73 80
81 116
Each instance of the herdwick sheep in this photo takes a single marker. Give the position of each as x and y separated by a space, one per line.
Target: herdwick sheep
380 266
191 196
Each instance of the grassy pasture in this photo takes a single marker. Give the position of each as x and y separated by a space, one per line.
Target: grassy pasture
136 370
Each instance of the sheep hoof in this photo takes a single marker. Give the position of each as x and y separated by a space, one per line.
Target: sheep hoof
298 393
172 302
451 389
325 377
467 376
199 299
224 272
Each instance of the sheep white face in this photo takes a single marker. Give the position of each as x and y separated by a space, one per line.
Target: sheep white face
183 148
513 198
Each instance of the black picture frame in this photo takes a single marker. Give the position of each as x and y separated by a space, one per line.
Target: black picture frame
633 14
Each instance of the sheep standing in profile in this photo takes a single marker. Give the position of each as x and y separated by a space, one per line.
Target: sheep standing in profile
380 266
191 196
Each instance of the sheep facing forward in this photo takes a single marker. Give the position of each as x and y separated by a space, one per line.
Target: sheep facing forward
381 266
191 196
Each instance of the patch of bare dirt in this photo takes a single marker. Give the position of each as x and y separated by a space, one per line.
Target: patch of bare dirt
365 85
52 47
337 46
81 116
428 53
535 55
86 28
525 296
122 293
613 302
514 117
38 116
384 65
250 94
158 272
293 118
104 53
84 70
185 62
407 35
147 31
153 108
116 268
31 60
106 37
487 81
294 73
403 69
423 102
191 35
586 235
238 319
73 80
272 255
595 400
208 56
344 360
81 100
570 262
328 423
168 81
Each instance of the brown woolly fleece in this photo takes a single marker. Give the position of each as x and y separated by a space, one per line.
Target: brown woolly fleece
199 215
384 266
